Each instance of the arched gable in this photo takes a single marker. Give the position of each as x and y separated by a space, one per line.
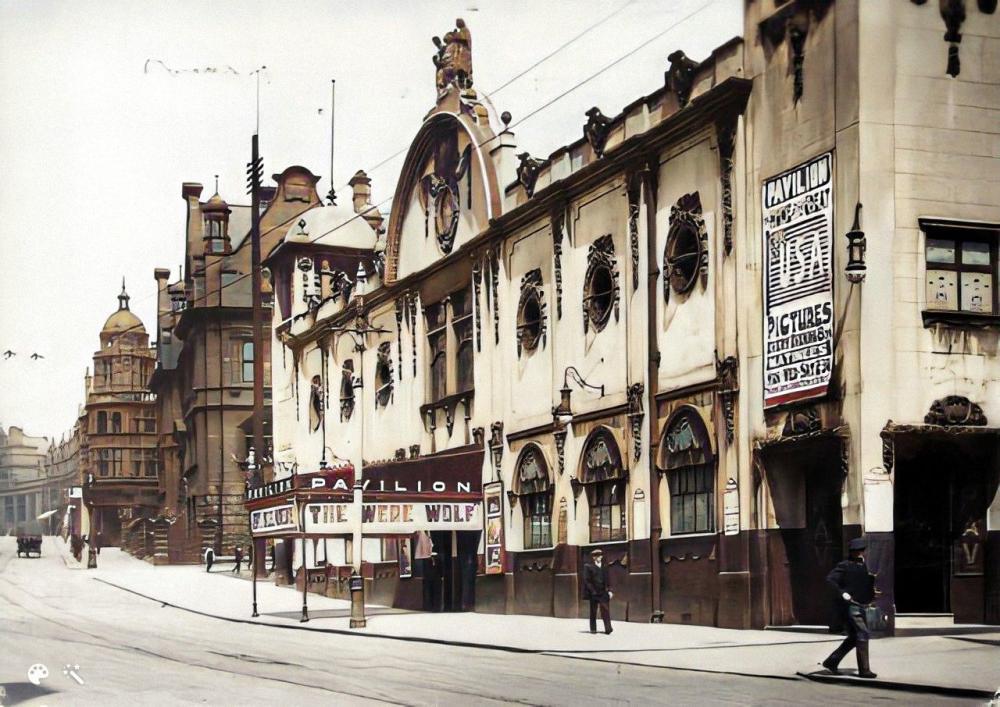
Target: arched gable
447 191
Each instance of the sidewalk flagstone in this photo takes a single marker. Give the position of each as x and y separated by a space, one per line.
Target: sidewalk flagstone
948 663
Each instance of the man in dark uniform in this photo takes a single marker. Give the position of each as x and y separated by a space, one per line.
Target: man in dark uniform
597 588
855 587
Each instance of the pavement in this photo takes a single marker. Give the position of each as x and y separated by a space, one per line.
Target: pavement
956 666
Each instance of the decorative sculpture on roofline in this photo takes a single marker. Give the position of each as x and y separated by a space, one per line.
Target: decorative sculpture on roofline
454 58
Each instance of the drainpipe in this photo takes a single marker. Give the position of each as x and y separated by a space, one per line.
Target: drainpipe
649 176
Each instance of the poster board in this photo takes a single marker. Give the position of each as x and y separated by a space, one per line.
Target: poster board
797 214
493 535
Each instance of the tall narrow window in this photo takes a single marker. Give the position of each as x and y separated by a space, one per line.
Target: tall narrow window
102 422
103 462
116 422
246 358
437 341
690 466
535 490
461 322
605 480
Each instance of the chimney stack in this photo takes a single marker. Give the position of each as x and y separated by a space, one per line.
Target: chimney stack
362 186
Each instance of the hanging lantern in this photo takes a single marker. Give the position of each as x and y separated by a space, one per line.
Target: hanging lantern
856 247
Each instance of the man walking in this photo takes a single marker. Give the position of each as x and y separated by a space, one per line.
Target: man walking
855 587
597 588
239 559
209 559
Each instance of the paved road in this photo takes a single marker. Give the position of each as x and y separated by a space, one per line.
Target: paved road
134 651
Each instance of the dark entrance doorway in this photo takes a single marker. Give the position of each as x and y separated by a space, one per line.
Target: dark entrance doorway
805 479
944 484
450 578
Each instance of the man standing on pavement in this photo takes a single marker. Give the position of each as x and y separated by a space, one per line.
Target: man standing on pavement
239 559
855 587
597 588
209 559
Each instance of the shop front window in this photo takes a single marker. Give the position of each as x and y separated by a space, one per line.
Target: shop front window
605 480
690 468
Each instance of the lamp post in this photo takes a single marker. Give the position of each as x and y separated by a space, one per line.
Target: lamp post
563 413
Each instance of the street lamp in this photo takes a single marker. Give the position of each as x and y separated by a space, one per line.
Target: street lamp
856 247
562 414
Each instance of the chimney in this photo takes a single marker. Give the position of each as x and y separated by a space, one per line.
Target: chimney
362 187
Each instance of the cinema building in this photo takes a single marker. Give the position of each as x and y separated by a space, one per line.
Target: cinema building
680 338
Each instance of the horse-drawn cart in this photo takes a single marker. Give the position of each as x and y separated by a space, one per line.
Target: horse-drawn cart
29 539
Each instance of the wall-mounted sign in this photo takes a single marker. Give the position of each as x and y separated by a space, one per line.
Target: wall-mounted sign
493 544
393 518
75 491
269 521
797 210
731 508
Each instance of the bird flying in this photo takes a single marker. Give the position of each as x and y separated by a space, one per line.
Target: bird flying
36 356
8 353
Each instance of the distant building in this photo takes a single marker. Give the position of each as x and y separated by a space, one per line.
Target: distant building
23 490
62 471
203 377
118 466
679 338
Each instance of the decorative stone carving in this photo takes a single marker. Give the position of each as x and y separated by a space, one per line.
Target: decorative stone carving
440 191
412 313
686 252
453 59
495 284
531 312
600 259
634 190
496 445
635 415
557 220
680 76
383 375
888 447
727 143
477 284
955 410
400 306
800 422
797 42
727 371
953 14
596 130
527 172
478 436
560 438
414 451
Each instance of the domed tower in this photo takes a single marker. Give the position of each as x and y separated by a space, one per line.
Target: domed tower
216 231
118 439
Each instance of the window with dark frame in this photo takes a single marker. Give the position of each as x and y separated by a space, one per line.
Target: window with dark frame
690 466
599 296
461 323
116 422
535 488
605 481
102 422
961 267
437 340
246 361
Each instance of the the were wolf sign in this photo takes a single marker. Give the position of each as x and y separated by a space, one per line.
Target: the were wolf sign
797 208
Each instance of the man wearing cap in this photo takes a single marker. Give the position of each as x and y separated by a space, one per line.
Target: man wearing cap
597 588
855 587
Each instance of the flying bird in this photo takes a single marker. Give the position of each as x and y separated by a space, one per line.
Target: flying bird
36 356
8 353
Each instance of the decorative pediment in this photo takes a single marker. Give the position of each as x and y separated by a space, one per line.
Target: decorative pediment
955 410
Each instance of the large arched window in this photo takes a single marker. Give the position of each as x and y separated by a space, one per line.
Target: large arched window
535 491
605 479
689 464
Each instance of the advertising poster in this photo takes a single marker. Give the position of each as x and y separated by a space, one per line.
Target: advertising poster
493 542
797 209
273 520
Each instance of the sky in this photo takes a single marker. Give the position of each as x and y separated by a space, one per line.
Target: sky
103 117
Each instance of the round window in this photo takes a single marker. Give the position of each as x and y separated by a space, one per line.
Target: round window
529 322
682 257
600 292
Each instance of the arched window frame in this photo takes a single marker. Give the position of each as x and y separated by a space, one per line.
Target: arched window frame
603 474
535 491
689 463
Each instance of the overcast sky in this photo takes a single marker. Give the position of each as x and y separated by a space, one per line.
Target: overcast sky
96 135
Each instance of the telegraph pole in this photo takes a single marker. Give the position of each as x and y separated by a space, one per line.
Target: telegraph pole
255 172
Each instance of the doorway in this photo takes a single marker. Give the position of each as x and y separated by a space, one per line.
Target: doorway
805 479
450 578
943 487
